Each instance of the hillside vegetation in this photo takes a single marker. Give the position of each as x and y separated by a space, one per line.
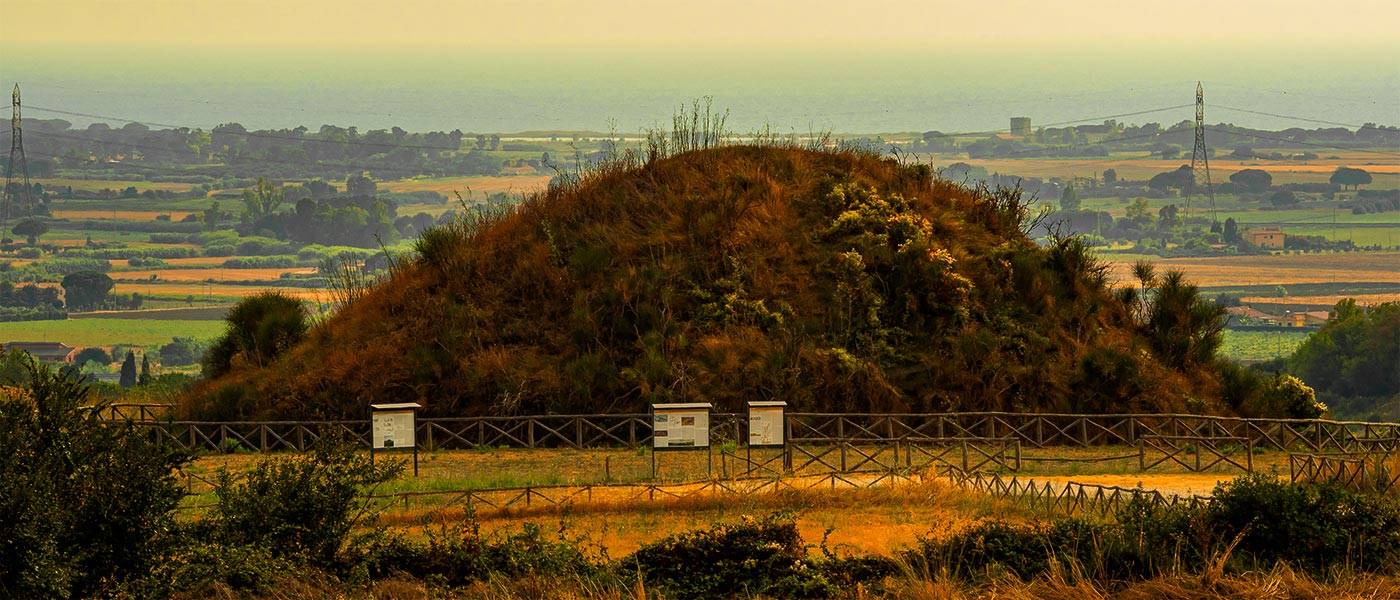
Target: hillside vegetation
834 280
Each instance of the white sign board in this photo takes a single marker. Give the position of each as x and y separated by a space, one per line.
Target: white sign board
393 429
676 426
766 423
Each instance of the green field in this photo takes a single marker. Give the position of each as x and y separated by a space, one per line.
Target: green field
1255 346
108 332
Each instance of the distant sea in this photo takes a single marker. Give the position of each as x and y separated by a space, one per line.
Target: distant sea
841 93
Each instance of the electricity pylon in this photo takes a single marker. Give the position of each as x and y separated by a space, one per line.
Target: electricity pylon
1200 157
17 188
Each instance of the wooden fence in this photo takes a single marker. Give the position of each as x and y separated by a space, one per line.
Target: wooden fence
1362 472
559 496
1068 498
805 429
1196 453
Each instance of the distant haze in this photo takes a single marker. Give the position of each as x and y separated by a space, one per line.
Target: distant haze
625 65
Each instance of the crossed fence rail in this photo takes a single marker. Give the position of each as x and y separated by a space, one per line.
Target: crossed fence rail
562 495
1377 472
1034 430
1069 498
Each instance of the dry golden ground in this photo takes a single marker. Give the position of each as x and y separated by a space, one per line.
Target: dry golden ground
881 519
1361 299
261 274
216 289
1275 269
122 215
878 520
471 187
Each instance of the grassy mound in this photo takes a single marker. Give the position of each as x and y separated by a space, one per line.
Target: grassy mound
833 280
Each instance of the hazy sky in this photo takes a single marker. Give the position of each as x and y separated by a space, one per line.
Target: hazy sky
370 24
872 65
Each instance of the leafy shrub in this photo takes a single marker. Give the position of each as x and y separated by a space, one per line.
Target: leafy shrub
199 569
1253 522
169 238
259 328
83 503
300 507
460 554
757 557
1315 527
25 313
129 253
262 262
181 351
146 262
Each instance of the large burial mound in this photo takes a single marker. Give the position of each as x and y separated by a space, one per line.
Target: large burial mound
837 281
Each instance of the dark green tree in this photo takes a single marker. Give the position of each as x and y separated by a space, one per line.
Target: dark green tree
181 351
1347 176
1178 179
1355 354
31 228
1069 199
128 378
1231 233
1283 198
145 376
1254 180
261 201
85 290
96 355
360 186
1110 176
259 328
1167 216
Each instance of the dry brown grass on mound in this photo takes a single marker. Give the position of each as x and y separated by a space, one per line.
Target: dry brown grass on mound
833 280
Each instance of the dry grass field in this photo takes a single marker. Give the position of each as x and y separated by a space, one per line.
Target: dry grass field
471 187
113 184
1273 269
879 519
211 275
215 290
120 215
1385 170
1361 299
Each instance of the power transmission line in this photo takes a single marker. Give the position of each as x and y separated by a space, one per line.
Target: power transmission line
1300 142
1290 117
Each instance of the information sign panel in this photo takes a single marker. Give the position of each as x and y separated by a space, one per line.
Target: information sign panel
766 423
393 429
680 426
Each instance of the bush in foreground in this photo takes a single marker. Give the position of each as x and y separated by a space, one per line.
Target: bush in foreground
83 503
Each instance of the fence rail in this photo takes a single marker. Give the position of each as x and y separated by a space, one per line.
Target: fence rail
1362 472
1032 430
563 495
1069 498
